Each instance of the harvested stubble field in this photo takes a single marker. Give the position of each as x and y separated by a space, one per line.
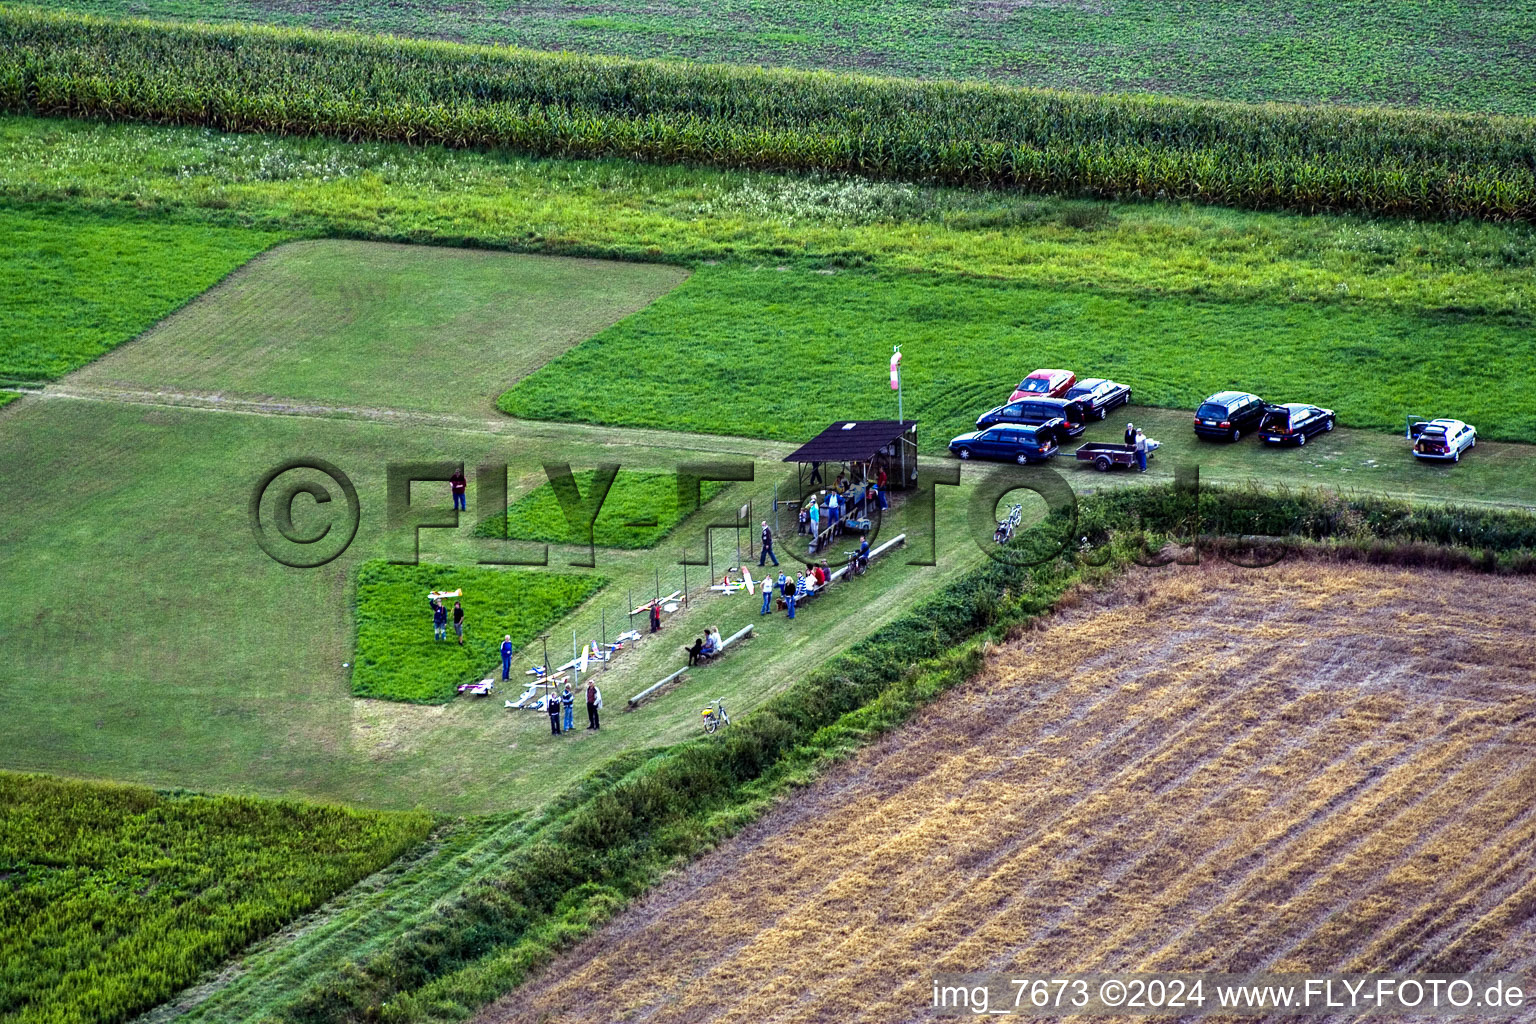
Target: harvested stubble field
1300 768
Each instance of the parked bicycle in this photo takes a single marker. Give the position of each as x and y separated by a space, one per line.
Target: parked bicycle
1006 527
715 716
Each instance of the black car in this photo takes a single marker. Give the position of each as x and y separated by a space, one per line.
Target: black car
1066 418
1228 414
1293 421
1098 396
1020 444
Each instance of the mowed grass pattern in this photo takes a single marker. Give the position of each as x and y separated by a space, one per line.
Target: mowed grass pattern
781 354
1306 768
363 324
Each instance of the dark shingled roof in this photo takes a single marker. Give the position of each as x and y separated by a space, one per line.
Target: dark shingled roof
851 441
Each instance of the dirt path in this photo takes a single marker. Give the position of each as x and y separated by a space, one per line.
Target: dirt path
1303 768
495 424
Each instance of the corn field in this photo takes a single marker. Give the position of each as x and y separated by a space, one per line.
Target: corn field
1123 147
113 898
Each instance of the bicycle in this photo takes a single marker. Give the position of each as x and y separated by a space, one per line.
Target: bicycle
1006 527
715 716
857 565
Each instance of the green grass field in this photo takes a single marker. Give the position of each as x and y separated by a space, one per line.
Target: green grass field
638 511
74 284
115 897
151 640
1456 55
399 659
354 324
814 348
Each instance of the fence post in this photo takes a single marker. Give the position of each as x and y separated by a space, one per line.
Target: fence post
685 577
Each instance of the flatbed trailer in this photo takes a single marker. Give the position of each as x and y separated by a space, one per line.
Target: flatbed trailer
1105 456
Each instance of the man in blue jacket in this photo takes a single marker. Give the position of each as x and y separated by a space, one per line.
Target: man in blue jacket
506 657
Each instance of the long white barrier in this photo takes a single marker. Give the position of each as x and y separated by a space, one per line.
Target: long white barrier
637 698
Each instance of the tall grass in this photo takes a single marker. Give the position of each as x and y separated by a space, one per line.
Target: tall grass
354 87
114 897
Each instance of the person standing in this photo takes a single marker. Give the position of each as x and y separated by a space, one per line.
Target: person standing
655 616
594 701
815 522
567 702
439 621
832 512
552 705
767 595
767 546
815 472
1141 451
457 484
1130 433
506 657
458 622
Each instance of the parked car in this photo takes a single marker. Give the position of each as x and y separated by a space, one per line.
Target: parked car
1099 395
1293 421
1227 414
1020 444
1064 418
1044 384
1442 439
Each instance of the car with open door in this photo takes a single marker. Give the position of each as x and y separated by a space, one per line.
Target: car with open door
1228 414
1293 423
1442 440
1014 443
1065 418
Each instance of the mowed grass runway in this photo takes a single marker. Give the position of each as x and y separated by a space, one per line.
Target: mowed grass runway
339 323
149 638
1305 768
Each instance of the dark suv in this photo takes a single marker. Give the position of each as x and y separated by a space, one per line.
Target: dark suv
1228 414
1036 412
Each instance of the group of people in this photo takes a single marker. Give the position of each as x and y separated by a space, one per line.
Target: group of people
1135 438
845 499
440 621
704 647
564 704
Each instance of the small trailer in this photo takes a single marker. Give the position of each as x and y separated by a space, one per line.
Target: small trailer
1104 456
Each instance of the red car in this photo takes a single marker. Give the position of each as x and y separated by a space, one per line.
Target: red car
1044 384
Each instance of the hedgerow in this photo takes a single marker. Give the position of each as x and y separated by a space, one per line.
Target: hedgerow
113 897
355 87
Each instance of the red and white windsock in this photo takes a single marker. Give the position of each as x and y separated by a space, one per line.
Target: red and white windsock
895 371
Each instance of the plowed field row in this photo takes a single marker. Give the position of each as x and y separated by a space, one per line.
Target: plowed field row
1304 768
